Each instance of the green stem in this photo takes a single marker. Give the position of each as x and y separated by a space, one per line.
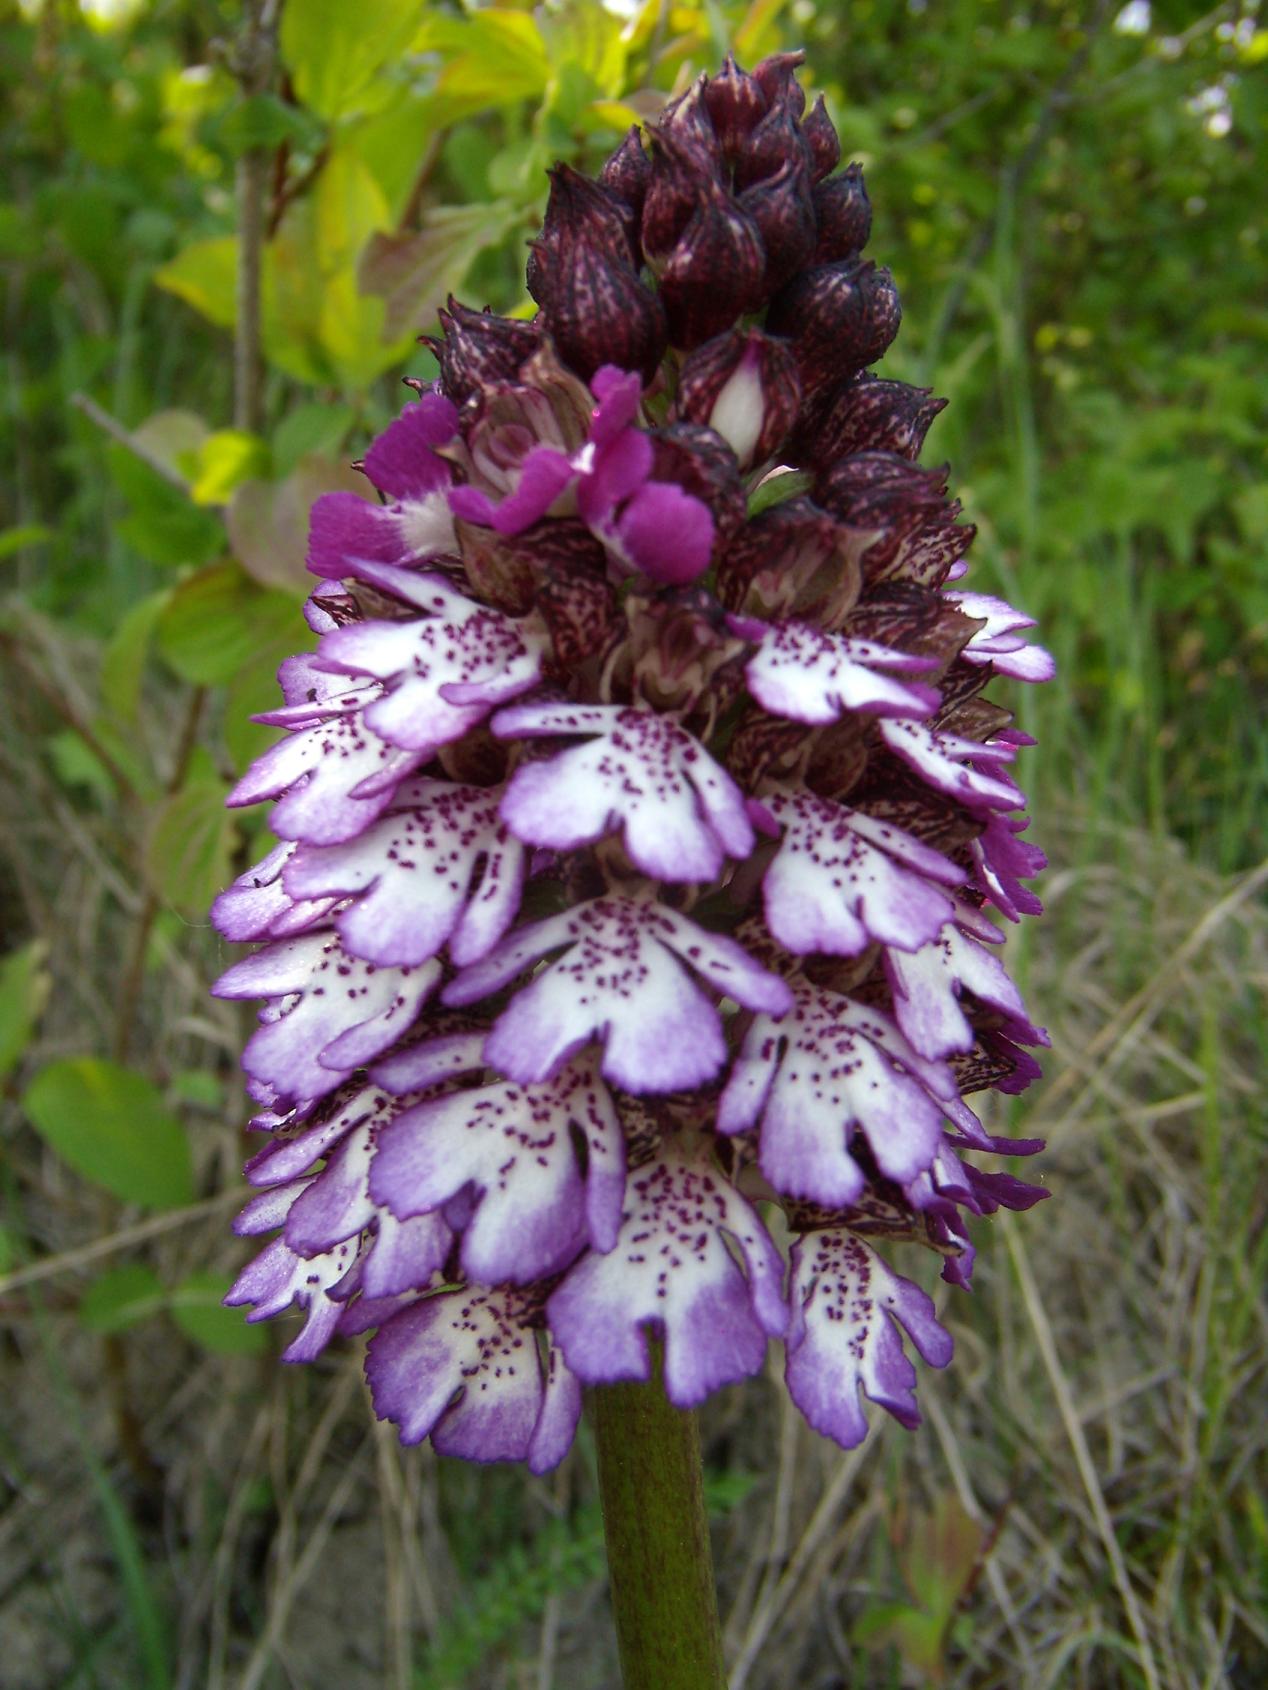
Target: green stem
657 1531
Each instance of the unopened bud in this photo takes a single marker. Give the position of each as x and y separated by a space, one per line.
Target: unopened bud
600 313
775 141
478 348
688 120
627 173
868 415
744 386
736 105
776 76
782 209
793 559
844 215
839 318
714 273
698 462
819 133
581 209
905 508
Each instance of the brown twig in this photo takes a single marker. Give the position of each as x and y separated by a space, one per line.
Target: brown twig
253 64
117 431
63 708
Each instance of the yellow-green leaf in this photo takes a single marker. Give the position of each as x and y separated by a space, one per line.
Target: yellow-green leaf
205 275
334 48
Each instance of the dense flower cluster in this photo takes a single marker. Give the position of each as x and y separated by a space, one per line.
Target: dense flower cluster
629 951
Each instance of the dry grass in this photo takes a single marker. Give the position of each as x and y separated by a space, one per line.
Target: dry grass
1102 1424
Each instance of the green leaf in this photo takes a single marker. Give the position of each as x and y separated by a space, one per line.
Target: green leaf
111 1125
121 1297
197 1307
218 622
334 49
312 427
24 989
205 275
77 764
190 847
162 523
13 540
263 121
123 661
198 1087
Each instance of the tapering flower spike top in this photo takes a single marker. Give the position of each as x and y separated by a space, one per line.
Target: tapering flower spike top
630 951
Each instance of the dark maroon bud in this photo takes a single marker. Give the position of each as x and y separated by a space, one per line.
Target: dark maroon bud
681 653
600 313
911 617
905 509
868 415
703 465
539 272
775 141
676 183
687 119
844 214
782 209
821 137
714 273
839 318
777 79
579 208
793 559
736 106
744 386
479 348
627 173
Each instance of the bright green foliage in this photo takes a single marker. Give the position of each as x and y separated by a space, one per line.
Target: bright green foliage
111 1124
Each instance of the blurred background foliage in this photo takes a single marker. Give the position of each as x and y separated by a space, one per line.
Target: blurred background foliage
1070 195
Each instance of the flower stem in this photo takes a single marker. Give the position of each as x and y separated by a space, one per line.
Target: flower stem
657 1530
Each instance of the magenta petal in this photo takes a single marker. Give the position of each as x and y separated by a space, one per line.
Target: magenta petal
666 534
828 1070
342 526
278 1279
842 880
681 812
617 470
671 1270
513 1147
544 475
618 393
844 1338
401 463
463 1366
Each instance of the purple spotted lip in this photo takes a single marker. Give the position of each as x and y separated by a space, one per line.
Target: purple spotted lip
643 819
